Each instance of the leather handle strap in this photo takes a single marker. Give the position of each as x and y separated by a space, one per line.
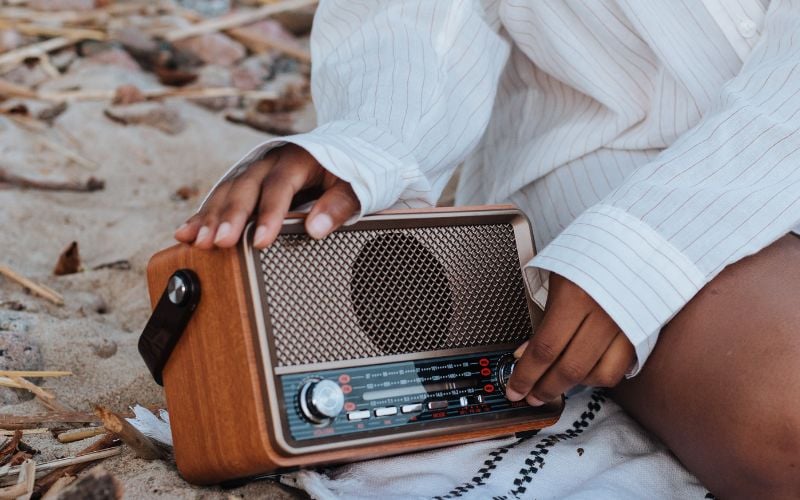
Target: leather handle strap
168 321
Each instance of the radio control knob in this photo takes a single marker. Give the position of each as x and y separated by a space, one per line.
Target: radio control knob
321 400
505 367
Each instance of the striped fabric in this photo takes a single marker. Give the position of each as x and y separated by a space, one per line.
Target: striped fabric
651 143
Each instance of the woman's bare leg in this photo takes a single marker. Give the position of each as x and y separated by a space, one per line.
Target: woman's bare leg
722 387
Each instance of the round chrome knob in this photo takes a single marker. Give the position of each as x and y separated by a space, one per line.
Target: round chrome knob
505 367
177 289
321 400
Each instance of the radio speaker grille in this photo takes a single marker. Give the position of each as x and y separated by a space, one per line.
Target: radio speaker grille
365 293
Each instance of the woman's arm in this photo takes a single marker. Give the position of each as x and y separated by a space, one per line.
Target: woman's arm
726 189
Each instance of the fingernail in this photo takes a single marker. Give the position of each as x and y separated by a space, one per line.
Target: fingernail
533 401
260 238
513 395
520 350
320 226
223 230
202 234
182 227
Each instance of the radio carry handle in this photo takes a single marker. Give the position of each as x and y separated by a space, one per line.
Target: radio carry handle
168 321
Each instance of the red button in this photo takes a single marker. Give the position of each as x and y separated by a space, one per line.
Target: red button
344 378
347 389
349 406
486 372
483 362
488 388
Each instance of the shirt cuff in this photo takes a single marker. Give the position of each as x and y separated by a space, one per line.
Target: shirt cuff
377 166
636 275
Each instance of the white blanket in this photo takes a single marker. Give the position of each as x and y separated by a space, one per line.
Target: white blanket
594 452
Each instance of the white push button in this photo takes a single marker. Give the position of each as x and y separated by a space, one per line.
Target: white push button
437 405
385 412
358 415
471 400
414 408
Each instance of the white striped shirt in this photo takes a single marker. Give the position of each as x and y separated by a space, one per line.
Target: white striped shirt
651 143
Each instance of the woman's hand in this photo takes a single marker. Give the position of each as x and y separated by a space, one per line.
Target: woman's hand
576 343
271 184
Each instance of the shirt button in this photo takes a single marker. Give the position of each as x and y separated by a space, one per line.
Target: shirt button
747 28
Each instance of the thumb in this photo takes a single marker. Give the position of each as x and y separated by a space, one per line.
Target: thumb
337 204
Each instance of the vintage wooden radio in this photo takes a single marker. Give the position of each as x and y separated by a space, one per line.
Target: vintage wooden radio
391 335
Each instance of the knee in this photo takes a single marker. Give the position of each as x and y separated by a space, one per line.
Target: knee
766 451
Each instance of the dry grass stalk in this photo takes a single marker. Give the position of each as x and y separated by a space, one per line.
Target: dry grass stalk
7 382
34 373
25 432
8 89
10 447
142 445
47 398
40 290
97 483
57 18
27 122
58 486
260 43
96 17
71 437
80 459
45 419
47 66
13 492
35 29
27 477
14 57
236 19
24 487
89 185
155 94
95 451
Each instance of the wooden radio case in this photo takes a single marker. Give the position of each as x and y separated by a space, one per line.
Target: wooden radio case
392 335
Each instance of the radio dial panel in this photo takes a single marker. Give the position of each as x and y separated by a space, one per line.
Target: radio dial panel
383 399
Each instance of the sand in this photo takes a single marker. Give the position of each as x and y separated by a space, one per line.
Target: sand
132 218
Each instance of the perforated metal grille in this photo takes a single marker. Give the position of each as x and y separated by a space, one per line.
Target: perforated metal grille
382 292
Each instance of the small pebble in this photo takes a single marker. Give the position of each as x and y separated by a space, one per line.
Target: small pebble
18 352
14 323
104 348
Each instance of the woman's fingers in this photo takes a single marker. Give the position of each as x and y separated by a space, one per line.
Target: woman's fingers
613 365
240 201
333 208
274 180
544 348
208 218
191 229
292 173
585 348
187 231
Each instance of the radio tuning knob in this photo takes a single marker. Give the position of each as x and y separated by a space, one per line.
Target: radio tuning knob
505 367
321 400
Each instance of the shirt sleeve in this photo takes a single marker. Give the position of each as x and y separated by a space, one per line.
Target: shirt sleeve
724 190
403 92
